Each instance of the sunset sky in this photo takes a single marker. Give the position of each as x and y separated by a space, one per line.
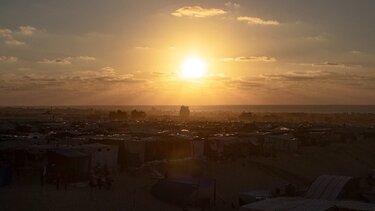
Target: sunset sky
117 52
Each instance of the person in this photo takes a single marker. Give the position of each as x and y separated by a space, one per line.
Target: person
43 175
58 179
92 183
277 192
100 182
166 175
290 190
108 182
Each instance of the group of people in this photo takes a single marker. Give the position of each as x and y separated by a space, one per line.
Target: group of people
100 178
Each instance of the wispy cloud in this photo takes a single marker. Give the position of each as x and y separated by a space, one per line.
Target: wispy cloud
248 59
258 21
8 59
4 32
67 60
27 30
232 5
85 58
142 47
197 12
14 42
330 64
77 81
63 61
319 37
9 35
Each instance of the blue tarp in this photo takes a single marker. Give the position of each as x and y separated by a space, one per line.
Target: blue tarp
5 176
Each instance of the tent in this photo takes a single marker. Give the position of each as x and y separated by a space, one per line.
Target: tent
291 204
5 175
330 187
253 196
69 162
105 155
185 191
304 204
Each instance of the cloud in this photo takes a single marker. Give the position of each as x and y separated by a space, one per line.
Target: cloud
197 12
55 61
248 59
108 70
244 83
142 47
298 75
67 60
14 42
330 64
318 38
6 32
232 5
27 30
23 30
342 65
8 59
85 58
317 79
92 80
258 21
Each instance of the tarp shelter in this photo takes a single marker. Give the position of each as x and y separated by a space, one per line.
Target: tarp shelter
330 187
68 162
185 191
285 142
253 196
5 175
304 204
104 155
198 148
290 204
135 152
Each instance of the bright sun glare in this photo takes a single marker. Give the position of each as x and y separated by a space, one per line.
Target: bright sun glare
193 68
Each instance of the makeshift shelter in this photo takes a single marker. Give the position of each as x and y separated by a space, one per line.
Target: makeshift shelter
253 196
185 191
104 155
290 204
286 143
198 148
134 152
330 187
5 175
69 163
303 204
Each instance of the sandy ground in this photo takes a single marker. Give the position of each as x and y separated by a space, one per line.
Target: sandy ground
133 192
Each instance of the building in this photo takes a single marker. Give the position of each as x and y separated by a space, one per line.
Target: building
184 112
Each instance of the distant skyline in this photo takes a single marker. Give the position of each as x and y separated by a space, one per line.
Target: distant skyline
93 52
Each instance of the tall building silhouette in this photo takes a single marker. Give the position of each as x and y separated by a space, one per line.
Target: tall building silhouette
184 112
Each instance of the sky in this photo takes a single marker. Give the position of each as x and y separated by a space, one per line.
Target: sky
118 52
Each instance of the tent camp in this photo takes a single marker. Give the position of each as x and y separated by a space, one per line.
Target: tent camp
185 191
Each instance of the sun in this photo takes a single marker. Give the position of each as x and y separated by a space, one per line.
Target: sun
193 68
